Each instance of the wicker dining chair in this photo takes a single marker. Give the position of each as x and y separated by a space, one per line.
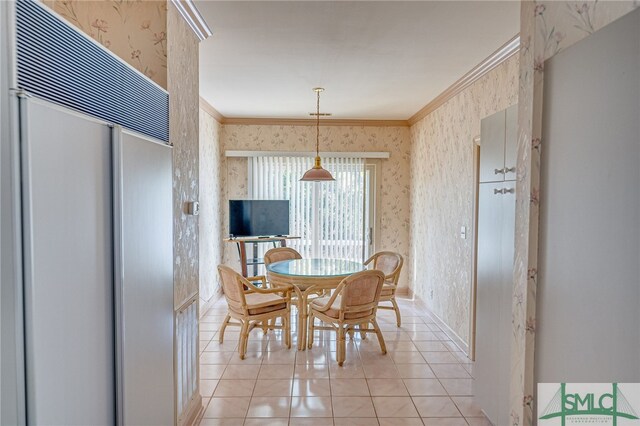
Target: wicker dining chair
254 306
280 253
287 253
391 264
353 304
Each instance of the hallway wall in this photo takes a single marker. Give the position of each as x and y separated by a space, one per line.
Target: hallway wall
182 84
211 205
442 194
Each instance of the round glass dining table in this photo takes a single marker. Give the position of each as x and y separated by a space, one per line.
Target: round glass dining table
310 276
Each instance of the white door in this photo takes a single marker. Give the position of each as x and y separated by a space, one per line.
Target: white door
68 258
144 283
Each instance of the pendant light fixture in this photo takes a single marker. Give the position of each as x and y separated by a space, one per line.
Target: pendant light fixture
317 173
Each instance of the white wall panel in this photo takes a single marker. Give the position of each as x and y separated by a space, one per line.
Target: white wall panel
589 267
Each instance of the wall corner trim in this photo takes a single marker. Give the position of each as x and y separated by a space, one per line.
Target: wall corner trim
209 109
506 51
194 19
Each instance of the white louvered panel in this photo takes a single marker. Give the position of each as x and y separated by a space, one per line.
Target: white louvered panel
187 355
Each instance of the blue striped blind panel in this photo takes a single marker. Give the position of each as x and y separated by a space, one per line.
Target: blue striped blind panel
57 63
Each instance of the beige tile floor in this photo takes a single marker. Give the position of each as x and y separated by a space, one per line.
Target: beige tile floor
423 379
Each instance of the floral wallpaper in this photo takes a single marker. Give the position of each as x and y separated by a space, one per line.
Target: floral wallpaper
211 221
546 28
134 30
559 24
182 82
393 174
442 194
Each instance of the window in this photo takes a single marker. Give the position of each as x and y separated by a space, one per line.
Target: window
333 219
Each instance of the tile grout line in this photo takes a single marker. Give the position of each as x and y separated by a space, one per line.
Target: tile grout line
358 352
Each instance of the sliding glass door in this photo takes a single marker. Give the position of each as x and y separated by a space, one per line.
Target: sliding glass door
333 219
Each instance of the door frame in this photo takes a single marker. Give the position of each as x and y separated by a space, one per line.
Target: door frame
370 209
474 255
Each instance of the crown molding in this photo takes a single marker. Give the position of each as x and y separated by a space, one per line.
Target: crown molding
509 49
324 154
248 121
209 109
194 19
312 122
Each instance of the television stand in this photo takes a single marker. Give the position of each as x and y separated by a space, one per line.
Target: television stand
241 243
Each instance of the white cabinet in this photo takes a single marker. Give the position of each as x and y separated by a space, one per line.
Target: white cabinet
499 146
496 224
98 270
68 257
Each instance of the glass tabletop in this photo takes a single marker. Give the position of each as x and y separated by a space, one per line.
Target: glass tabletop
316 267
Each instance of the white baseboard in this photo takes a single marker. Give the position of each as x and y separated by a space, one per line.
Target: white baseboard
403 292
204 307
194 412
461 344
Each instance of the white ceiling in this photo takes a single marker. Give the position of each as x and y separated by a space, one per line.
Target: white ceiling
376 60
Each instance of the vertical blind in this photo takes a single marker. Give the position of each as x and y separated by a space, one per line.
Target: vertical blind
328 216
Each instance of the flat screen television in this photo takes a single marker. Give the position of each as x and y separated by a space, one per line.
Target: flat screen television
256 218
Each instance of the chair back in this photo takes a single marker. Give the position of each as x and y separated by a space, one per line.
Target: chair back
280 253
360 293
233 288
390 263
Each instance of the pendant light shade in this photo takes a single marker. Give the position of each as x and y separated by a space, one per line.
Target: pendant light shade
317 173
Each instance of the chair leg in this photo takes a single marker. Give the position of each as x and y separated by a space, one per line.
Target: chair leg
265 326
341 345
312 326
383 347
395 308
286 322
301 327
363 333
223 328
244 336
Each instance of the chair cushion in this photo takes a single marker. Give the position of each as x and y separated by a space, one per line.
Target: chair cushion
260 303
334 310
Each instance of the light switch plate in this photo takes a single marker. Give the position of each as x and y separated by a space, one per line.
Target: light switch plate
463 232
193 208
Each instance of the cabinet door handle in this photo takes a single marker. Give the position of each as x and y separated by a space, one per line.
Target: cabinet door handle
498 171
504 191
509 169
